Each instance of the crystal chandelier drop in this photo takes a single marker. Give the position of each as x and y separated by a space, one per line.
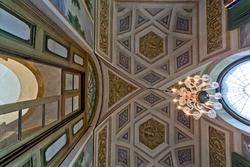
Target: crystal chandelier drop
194 96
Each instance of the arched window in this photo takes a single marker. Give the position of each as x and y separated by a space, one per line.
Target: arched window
17 83
235 88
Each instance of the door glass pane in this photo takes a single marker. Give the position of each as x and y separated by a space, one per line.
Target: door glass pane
68 105
51 113
75 103
68 81
8 132
76 81
31 121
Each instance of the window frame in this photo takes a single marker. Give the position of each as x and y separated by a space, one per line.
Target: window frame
31 41
220 79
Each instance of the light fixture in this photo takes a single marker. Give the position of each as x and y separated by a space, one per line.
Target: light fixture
195 96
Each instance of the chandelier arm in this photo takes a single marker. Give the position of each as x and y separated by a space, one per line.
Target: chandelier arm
167 91
203 85
207 107
190 105
209 88
199 106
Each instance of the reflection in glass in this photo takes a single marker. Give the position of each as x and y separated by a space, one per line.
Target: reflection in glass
68 81
51 112
76 81
68 105
32 121
8 134
75 103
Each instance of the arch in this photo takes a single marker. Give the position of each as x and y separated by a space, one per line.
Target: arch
217 70
30 84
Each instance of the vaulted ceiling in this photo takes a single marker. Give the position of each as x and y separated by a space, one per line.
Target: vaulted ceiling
153 44
149 45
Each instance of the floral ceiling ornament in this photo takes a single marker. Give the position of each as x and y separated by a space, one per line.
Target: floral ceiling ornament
195 96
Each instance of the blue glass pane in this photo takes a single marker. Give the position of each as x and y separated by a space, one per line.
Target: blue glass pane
13 25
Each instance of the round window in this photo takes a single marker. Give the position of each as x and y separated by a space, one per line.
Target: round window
235 88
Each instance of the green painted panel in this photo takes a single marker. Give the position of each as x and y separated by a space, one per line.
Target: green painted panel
239 14
239 161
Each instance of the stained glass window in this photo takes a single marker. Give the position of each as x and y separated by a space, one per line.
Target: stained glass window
235 88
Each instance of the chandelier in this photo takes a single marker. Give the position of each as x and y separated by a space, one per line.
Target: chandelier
195 96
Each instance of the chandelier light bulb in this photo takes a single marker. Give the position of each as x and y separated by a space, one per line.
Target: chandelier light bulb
179 107
180 82
207 104
175 100
196 78
203 111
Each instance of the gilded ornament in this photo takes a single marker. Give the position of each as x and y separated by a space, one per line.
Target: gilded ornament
214 25
102 140
151 45
118 88
104 26
151 133
217 148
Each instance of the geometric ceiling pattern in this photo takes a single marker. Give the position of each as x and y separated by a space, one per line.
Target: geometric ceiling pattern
142 134
149 45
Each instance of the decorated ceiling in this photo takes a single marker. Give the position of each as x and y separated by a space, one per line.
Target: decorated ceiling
143 45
